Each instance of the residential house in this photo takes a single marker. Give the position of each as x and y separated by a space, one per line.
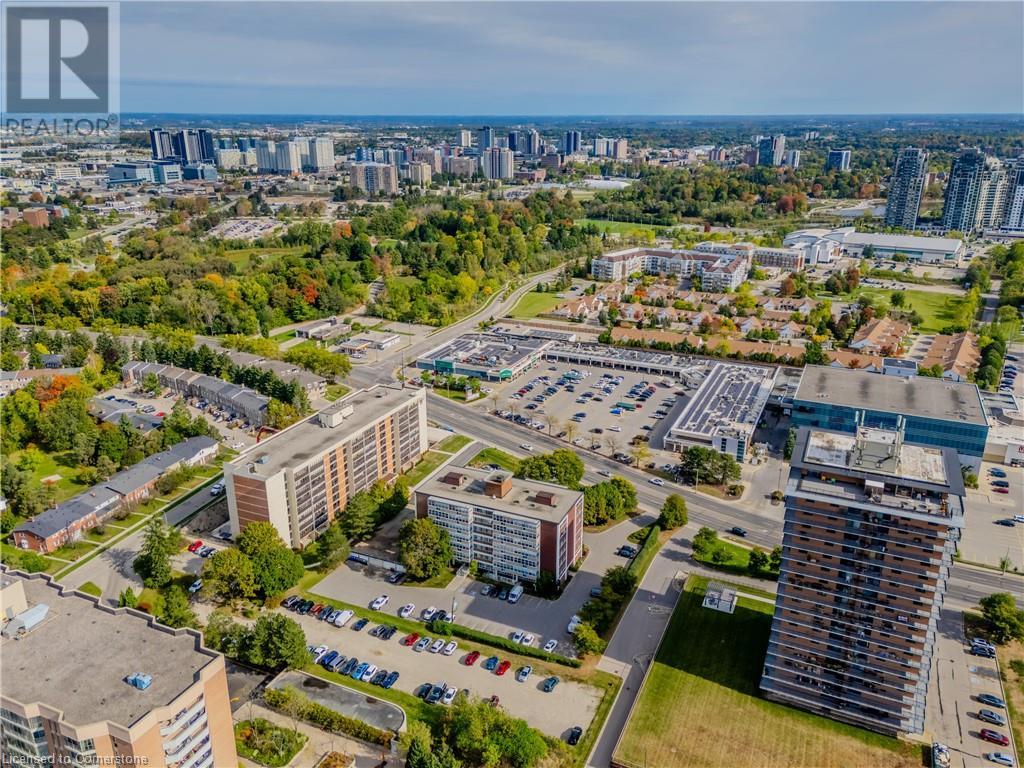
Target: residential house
881 336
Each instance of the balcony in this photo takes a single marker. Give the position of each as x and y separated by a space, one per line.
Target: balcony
176 749
186 714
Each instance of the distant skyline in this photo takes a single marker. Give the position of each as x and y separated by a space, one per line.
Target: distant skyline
573 58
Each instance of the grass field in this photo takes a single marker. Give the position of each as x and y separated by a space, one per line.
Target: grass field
533 304
934 308
495 456
453 444
739 559
619 227
430 461
50 464
242 257
708 668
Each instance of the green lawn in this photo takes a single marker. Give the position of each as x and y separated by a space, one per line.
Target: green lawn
283 336
90 589
458 395
453 444
12 558
708 667
430 461
534 303
56 464
619 227
103 533
74 550
335 391
242 257
739 559
495 456
442 580
934 308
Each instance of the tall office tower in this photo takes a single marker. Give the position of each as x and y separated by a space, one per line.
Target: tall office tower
266 156
1014 217
534 145
905 188
497 163
149 695
484 138
160 143
287 157
870 530
245 144
225 144
204 139
771 150
602 147
571 141
838 160
515 141
975 192
465 138
792 159
301 478
620 149
321 154
375 178
186 146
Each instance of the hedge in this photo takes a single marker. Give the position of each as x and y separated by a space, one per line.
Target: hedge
324 717
507 644
643 558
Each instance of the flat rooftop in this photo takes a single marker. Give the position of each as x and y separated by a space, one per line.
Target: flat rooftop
874 450
914 396
76 659
488 350
309 438
730 397
468 485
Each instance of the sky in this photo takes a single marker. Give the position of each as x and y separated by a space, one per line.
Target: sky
573 58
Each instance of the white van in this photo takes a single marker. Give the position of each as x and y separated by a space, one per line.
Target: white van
343 618
515 594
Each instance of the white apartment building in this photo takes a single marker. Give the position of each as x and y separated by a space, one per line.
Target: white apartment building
420 173
375 178
321 154
512 529
266 156
720 266
288 157
498 163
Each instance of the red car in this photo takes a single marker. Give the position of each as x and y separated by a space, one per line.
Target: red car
504 667
195 545
1001 490
410 639
995 737
471 658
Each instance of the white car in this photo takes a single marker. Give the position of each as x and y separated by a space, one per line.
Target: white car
615 429
379 603
318 653
369 673
450 648
428 613
196 586
517 636
1001 758
550 645
437 646
574 622
449 695
656 481
528 639
406 610
604 473
526 446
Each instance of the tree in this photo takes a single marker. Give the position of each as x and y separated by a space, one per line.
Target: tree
127 598
561 466
257 538
587 640
276 570
620 581
673 513
276 641
360 516
705 541
332 546
775 558
814 354
424 548
759 561
229 575
154 561
151 383
176 611
1005 619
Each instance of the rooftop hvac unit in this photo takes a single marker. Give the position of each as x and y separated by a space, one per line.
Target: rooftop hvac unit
139 680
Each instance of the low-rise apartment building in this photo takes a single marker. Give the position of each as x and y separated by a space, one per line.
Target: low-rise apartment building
870 530
720 268
512 529
300 479
87 684
70 520
242 401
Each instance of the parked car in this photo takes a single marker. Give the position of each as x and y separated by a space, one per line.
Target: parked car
549 684
471 658
491 664
410 639
196 586
528 639
207 551
359 625
1000 490
989 716
428 613
992 701
406 610
396 578
195 546
485 590
995 737
1000 758
357 673
996 472
326 659
380 677
368 673
1000 484
450 648
437 645
449 696
349 667
503 593
523 673
574 736
423 644
503 667
550 645
379 603
436 693
343 618
985 653
390 680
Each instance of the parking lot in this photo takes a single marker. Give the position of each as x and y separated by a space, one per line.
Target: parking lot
992 533
554 713
591 408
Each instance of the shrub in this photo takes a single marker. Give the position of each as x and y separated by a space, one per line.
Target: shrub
506 643
262 741
289 700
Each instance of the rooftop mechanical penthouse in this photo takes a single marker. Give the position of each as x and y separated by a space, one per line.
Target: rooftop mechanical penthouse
871 526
